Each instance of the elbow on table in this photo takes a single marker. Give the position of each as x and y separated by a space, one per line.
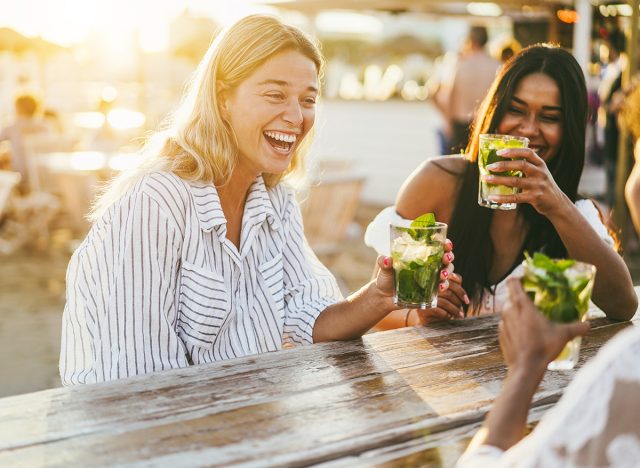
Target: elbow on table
624 310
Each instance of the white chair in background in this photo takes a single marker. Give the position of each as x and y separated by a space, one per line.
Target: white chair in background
8 180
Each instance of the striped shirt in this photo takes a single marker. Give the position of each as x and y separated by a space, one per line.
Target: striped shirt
157 285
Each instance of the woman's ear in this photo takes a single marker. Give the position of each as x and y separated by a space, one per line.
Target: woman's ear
222 96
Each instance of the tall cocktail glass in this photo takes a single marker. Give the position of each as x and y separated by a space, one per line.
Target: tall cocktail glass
417 259
490 144
561 289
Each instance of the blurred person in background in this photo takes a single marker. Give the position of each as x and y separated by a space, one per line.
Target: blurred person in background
595 423
610 85
199 254
473 74
22 134
539 94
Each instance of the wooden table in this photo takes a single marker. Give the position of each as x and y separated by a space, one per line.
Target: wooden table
405 397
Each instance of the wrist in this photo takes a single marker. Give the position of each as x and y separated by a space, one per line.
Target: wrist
379 300
561 210
530 370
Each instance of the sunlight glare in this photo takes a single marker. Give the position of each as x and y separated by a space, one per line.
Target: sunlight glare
125 119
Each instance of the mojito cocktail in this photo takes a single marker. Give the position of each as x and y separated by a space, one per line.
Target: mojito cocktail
561 289
490 144
417 252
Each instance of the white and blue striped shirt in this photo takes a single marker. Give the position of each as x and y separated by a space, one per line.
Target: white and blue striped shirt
156 284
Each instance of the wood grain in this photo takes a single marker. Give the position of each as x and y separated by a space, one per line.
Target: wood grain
398 397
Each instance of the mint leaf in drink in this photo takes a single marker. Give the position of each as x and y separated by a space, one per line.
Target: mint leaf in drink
559 291
425 220
493 157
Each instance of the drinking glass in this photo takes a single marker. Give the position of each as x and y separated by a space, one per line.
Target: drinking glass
490 144
417 260
562 295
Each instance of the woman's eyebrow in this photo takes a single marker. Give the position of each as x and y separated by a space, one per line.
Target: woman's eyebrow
524 103
285 84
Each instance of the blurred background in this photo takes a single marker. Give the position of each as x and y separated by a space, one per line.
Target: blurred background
90 79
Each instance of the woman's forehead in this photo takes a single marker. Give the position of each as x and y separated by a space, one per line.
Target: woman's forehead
538 87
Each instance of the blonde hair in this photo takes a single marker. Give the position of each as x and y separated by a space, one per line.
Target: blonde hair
197 143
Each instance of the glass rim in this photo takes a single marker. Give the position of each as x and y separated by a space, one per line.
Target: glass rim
438 225
503 136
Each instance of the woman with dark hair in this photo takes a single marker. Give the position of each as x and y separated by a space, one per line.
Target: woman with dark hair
539 94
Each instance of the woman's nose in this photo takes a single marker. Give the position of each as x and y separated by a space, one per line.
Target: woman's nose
293 113
529 126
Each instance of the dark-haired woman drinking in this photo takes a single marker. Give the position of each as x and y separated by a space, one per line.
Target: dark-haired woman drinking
539 94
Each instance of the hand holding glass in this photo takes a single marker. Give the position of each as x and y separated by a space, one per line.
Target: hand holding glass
417 260
561 290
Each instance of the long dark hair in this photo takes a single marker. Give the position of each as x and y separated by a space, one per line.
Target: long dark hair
469 224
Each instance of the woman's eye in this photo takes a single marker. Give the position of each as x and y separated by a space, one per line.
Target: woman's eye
550 118
515 110
275 96
309 100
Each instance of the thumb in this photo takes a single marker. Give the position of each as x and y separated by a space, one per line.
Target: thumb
576 329
385 264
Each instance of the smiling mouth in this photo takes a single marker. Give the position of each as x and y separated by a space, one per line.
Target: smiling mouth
282 142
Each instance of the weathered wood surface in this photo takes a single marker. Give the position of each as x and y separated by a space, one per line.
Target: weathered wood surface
339 403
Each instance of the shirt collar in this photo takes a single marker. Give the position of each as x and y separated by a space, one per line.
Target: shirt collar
209 211
259 205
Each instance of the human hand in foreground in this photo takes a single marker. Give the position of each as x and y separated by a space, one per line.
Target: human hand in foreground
527 338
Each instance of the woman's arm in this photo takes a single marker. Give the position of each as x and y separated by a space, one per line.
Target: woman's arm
529 342
121 284
632 190
613 291
354 316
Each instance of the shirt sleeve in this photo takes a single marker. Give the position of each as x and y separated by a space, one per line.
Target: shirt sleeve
480 457
592 215
309 286
120 312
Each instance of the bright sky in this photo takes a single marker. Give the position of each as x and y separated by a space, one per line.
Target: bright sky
67 22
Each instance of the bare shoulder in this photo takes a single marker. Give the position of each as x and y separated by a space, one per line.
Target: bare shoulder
432 187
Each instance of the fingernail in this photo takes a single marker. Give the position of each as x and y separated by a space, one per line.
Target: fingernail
460 314
502 151
444 274
386 261
492 167
466 300
441 286
450 244
449 257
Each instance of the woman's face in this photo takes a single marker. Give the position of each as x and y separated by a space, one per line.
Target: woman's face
272 110
535 112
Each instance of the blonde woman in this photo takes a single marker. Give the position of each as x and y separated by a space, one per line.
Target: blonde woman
199 255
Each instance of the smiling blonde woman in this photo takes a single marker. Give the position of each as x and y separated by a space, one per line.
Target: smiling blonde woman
199 255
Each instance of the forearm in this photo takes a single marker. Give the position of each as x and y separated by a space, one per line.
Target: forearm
632 195
613 291
354 316
506 421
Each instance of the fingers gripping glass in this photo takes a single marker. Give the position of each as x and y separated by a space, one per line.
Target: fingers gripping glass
417 253
561 290
490 144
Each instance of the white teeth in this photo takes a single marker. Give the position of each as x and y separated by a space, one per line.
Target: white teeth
286 137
